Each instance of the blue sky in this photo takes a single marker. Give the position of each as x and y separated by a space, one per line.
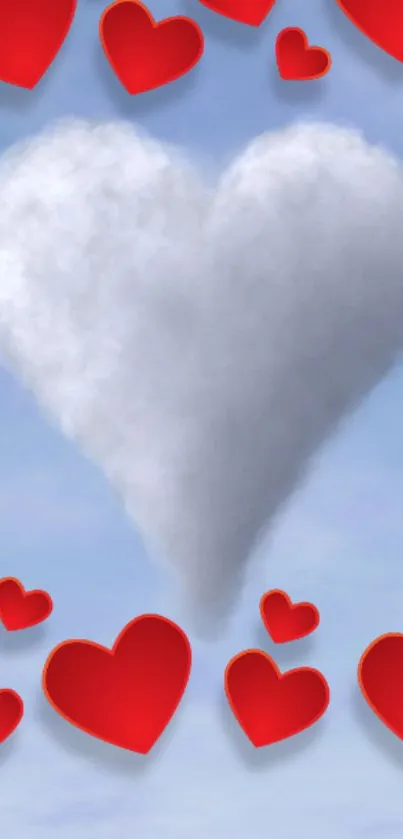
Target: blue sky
339 543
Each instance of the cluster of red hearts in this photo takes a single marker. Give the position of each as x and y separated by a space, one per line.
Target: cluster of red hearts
128 694
146 54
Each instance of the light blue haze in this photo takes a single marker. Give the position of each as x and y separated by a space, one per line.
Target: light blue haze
339 543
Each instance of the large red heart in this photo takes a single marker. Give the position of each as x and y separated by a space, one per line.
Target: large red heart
286 621
252 12
127 695
296 60
379 20
271 706
380 676
20 609
145 54
11 712
31 34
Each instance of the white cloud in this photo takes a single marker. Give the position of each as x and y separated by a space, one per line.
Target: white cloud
201 344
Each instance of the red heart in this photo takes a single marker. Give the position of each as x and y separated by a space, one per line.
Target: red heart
252 12
287 621
380 676
271 706
296 60
379 20
145 54
127 695
20 609
11 712
31 34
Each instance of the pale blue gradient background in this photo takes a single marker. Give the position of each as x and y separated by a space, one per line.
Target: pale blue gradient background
339 543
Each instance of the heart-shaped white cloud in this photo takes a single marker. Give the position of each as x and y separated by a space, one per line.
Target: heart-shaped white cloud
200 343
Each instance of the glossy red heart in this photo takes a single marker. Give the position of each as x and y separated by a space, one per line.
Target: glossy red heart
380 676
271 706
296 60
127 695
252 12
286 621
380 20
11 712
31 34
20 609
145 54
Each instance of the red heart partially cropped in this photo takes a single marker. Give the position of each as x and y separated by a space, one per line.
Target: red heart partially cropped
127 695
31 34
252 12
286 621
380 20
145 54
20 609
296 60
11 712
271 706
380 676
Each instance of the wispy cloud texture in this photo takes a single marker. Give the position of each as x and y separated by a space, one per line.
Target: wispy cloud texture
200 343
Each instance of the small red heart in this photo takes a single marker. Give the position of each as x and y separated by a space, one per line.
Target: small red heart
252 12
31 34
145 54
271 706
380 676
286 621
20 609
11 712
125 696
296 60
380 20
